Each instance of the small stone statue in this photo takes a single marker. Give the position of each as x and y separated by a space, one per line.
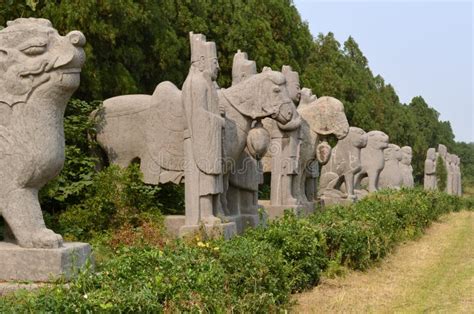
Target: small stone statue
391 175
343 164
430 181
39 71
406 168
372 160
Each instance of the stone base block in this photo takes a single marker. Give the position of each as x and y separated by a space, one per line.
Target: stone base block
175 225
275 211
42 265
226 230
332 200
244 221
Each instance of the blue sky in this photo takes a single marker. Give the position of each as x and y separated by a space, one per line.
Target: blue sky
422 48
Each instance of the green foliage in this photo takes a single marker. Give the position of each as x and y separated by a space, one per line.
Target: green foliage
251 273
302 245
134 45
114 198
441 174
79 168
365 232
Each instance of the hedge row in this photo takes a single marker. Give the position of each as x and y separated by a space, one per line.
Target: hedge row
256 272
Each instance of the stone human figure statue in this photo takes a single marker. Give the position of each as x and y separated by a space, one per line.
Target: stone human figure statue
391 175
459 178
450 173
442 151
242 67
430 181
39 71
284 147
406 167
203 135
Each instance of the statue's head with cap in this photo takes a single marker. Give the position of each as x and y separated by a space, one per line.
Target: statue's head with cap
204 55
242 67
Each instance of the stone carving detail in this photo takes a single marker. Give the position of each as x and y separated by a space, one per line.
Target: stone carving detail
391 175
294 154
343 164
372 161
430 181
406 167
283 157
39 71
152 128
321 118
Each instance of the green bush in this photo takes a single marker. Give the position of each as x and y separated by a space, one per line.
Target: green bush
359 235
255 272
115 197
441 174
302 245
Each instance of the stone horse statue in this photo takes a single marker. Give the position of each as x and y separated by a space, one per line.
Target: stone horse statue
149 128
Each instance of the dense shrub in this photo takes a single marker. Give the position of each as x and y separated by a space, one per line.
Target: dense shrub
251 273
115 197
301 243
366 231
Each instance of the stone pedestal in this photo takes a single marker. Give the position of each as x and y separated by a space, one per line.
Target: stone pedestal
334 200
42 265
244 221
275 211
175 226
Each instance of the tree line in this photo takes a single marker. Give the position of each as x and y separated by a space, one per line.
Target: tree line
134 45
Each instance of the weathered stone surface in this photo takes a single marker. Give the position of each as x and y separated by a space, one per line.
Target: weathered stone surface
39 72
321 118
202 135
176 226
276 211
372 161
458 180
294 153
43 265
430 180
343 164
284 154
391 175
212 157
406 167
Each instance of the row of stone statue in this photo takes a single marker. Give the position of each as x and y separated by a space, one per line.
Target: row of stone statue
451 164
220 142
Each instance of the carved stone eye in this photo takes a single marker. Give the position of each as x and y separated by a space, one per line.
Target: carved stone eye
276 89
35 49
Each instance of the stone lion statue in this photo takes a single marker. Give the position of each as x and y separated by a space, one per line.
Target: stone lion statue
39 71
343 164
372 160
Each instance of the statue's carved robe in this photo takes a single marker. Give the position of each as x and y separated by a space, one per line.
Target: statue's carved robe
204 130
430 175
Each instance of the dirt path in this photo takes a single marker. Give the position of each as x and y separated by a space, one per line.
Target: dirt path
432 274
